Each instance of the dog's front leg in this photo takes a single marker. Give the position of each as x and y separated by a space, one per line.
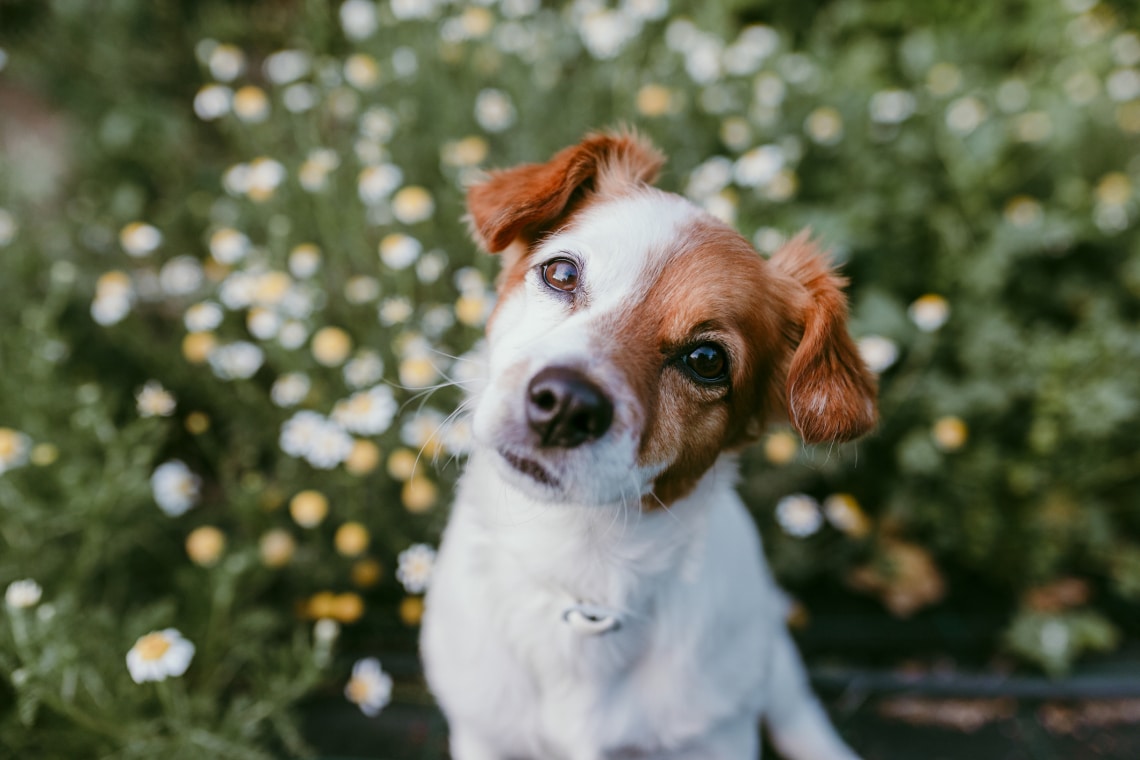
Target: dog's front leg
467 745
797 723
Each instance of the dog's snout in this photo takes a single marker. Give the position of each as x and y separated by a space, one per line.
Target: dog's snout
566 409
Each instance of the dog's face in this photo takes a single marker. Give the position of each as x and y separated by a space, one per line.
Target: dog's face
636 337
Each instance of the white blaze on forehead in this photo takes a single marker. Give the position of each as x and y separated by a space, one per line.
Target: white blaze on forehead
623 244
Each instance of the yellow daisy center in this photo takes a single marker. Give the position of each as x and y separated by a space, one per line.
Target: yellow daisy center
152 646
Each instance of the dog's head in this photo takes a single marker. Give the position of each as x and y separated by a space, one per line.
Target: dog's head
636 337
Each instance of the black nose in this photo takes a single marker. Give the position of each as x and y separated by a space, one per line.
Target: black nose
566 409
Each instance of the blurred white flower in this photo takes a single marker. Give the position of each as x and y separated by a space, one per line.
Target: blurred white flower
413 9
437 319
1012 95
159 655
769 239
359 19
228 246
152 400
799 515
878 352
430 266
370 688
703 58
394 311
422 427
175 487
1123 85
213 102
414 568
203 317
398 251
251 104
1126 49
314 171
364 369
14 449
8 227
23 594
263 323
361 71
367 412
321 442
287 66
236 361
300 97
290 389
520 8
413 204
604 32
181 276
769 90
824 125
304 260
759 166
709 178
3 58
292 335
361 288
226 63
929 312
494 110
404 62
376 183
139 239
265 174
965 115
114 295
378 123
755 44
891 106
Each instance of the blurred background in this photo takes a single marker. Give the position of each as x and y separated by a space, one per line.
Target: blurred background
236 294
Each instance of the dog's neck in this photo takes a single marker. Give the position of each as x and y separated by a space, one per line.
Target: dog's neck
598 553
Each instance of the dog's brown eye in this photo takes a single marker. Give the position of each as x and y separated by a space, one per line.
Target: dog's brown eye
561 274
707 363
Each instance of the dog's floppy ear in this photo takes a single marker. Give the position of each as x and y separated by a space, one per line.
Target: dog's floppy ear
830 392
528 200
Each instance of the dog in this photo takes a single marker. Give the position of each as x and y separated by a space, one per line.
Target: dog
600 590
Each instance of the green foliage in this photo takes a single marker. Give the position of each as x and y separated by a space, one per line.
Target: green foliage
249 236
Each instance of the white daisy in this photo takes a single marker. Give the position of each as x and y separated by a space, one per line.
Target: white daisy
139 239
359 19
399 251
228 246
237 361
878 352
891 106
290 389
159 655
181 276
286 66
175 487
15 448
929 312
23 594
415 566
376 183
203 317
370 688
365 369
213 102
368 412
799 515
153 400
494 110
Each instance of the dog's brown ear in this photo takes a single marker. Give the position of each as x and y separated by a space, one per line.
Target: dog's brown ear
528 200
831 394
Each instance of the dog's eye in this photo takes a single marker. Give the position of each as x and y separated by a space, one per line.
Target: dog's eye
707 363
561 274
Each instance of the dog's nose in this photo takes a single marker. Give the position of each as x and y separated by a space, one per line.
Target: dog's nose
566 409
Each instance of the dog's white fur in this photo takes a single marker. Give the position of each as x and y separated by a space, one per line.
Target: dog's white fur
702 650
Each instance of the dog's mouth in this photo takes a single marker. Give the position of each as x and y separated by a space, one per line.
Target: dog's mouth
530 468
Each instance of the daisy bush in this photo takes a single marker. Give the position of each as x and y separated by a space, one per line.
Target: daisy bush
241 312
